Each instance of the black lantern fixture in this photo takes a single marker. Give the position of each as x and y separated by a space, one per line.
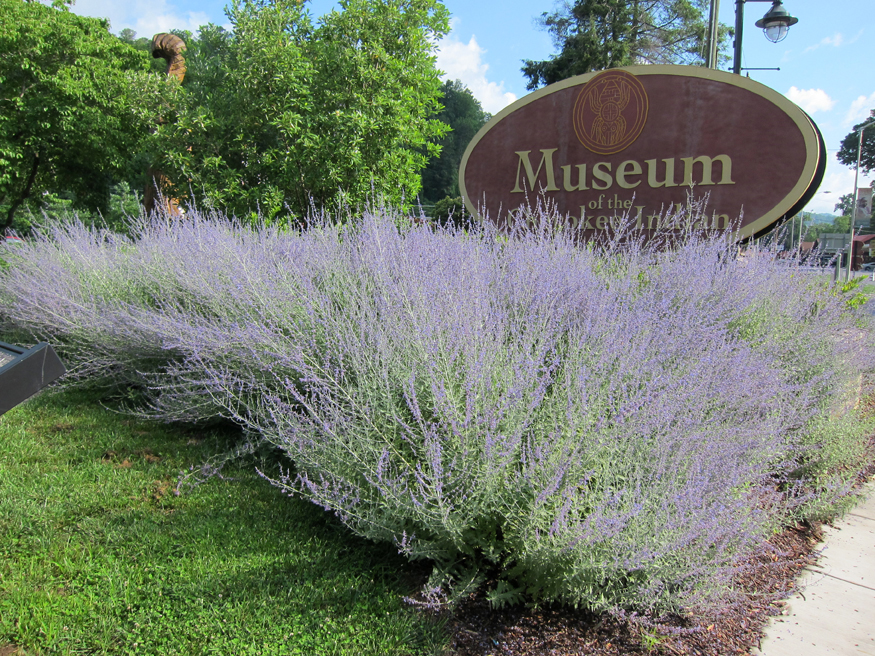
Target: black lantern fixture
776 23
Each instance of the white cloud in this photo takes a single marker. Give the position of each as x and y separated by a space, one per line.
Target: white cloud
811 100
836 40
838 181
151 25
859 110
145 17
463 61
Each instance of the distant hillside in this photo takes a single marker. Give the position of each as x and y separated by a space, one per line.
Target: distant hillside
821 217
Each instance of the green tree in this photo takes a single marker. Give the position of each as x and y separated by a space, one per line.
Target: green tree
813 230
462 112
451 211
143 44
847 154
593 35
281 114
124 203
75 102
842 224
845 205
127 35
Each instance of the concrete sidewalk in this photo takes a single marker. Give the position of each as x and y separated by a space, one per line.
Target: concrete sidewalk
835 612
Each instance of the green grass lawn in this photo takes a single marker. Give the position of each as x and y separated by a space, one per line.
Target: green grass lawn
99 556
867 286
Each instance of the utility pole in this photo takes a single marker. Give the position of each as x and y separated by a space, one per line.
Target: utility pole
861 130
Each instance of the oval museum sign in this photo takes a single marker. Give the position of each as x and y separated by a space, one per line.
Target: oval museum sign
639 141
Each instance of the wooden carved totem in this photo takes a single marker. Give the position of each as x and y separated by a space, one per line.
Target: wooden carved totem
158 187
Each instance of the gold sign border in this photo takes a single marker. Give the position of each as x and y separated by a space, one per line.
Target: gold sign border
799 117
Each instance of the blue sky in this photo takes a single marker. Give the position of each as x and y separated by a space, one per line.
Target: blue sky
826 61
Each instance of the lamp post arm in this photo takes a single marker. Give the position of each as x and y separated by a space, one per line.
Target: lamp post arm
867 124
739 29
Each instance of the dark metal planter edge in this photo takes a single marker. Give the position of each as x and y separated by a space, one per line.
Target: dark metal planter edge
29 371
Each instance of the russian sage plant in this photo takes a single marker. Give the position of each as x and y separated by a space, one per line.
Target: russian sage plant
610 426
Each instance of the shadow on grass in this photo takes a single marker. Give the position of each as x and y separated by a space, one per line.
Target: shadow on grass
97 555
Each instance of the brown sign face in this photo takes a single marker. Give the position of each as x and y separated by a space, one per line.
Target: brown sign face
639 142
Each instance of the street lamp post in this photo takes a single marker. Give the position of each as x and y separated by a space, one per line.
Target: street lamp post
776 23
861 129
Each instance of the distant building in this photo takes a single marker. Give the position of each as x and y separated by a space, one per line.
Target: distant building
832 244
863 250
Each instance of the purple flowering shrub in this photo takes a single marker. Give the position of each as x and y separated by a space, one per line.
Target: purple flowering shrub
74 286
608 426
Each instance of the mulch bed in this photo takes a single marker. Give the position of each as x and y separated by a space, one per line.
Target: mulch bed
768 577
479 630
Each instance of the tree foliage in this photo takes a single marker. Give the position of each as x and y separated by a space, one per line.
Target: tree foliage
451 211
813 230
462 112
279 113
845 205
593 35
847 154
75 104
143 44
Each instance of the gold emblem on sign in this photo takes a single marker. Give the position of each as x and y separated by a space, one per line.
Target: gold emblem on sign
610 112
